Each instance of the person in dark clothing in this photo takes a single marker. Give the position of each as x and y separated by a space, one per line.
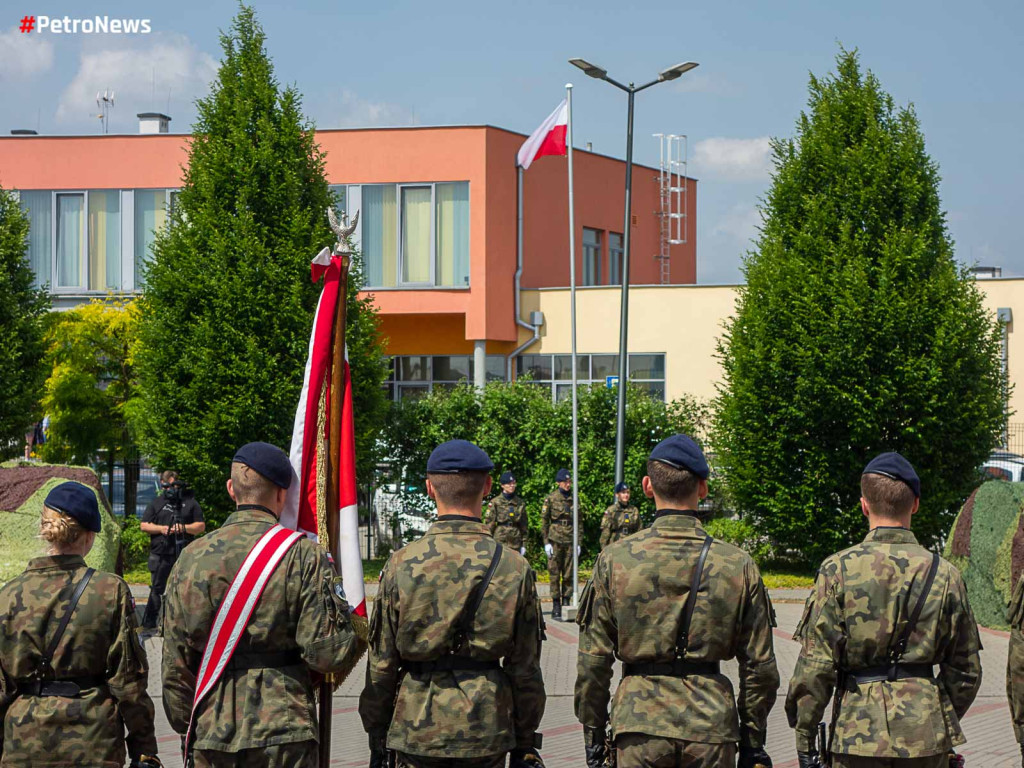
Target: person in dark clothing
172 520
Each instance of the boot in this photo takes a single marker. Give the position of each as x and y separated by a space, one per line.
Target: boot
556 610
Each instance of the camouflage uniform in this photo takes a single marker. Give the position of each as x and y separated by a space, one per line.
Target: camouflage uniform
268 710
508 520
1015 661
434 717
631 610
619 521
861 602
556 530
101 642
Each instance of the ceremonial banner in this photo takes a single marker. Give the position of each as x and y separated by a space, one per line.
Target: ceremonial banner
548 139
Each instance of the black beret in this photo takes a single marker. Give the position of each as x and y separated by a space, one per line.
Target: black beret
620 487
894 466
77 501
563 474
506 478
681 452
269 460
458 456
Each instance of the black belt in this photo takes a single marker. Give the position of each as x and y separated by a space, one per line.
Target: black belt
677 668
450 664
561 522
889 672
243 661
69 688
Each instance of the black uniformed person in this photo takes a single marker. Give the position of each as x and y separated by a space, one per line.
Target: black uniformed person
73 673
172 520
454 676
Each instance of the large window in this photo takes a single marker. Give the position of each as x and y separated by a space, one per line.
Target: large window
555 372
414 376
104 227
614 258
415 235
38 206
591 256
151 208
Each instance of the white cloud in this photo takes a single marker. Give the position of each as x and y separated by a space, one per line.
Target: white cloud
141 74
740 223
356 112
23 55
733 159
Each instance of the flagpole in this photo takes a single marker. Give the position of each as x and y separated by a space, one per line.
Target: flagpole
572 321
337 390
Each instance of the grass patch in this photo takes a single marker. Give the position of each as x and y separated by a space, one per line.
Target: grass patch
781 579
138 575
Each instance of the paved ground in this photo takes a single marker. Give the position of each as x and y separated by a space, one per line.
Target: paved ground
987 725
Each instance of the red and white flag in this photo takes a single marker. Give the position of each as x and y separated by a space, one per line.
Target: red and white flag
549 139
300 511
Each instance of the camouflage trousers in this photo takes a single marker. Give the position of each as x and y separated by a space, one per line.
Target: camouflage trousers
856 761
418 761
560 570
638 750
299 754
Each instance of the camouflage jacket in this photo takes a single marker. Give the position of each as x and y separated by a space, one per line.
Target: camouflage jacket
619 521
423 591
508 520
632 609
100 641
556 518
1015 661
862 600
298 611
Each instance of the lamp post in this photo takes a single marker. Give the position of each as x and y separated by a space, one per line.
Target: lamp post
595 71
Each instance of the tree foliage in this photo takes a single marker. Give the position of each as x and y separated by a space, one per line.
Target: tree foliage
228 302
22 311
523 431
91 384
856 331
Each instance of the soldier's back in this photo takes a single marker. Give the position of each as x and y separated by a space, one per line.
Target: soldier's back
99 651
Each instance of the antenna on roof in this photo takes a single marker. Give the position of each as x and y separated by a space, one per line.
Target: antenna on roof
105 101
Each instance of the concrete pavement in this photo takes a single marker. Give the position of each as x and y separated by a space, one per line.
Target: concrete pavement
987 725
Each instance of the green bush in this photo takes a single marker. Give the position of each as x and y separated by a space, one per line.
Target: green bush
742 534
134 544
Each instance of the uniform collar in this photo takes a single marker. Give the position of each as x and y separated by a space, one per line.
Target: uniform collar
250 516
61 562
458 524
891 535
677 520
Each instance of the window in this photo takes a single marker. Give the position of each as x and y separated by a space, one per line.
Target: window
38 207
415 376
104 227
591 256
151 207
71 266
340 193
555 372
614 258
415 235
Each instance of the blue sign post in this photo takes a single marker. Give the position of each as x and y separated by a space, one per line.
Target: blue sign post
611 382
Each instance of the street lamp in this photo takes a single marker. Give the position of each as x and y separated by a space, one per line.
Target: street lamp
600 73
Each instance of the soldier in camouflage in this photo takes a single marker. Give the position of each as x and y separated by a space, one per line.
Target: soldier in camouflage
506 515
556 527
71 704
881 615
1015 664
454 676
621 519
261 712
672 603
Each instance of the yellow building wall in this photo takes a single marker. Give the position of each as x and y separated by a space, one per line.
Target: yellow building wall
685 322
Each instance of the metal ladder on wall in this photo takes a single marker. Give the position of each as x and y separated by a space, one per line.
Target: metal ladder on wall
672 189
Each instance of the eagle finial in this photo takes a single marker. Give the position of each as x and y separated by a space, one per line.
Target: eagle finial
343 230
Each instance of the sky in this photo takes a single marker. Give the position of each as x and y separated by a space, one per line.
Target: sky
398 62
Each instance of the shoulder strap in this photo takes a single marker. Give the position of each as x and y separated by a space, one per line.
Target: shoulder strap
683 641
47 661
897 651
468 614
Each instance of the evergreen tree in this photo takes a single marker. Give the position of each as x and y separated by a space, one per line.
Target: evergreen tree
228 302
856 331
22 311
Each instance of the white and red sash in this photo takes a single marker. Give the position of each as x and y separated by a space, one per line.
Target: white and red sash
235 610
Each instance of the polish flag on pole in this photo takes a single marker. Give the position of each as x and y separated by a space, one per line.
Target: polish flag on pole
549 139
311 449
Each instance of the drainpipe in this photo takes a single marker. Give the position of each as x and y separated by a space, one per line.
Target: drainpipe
535 326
